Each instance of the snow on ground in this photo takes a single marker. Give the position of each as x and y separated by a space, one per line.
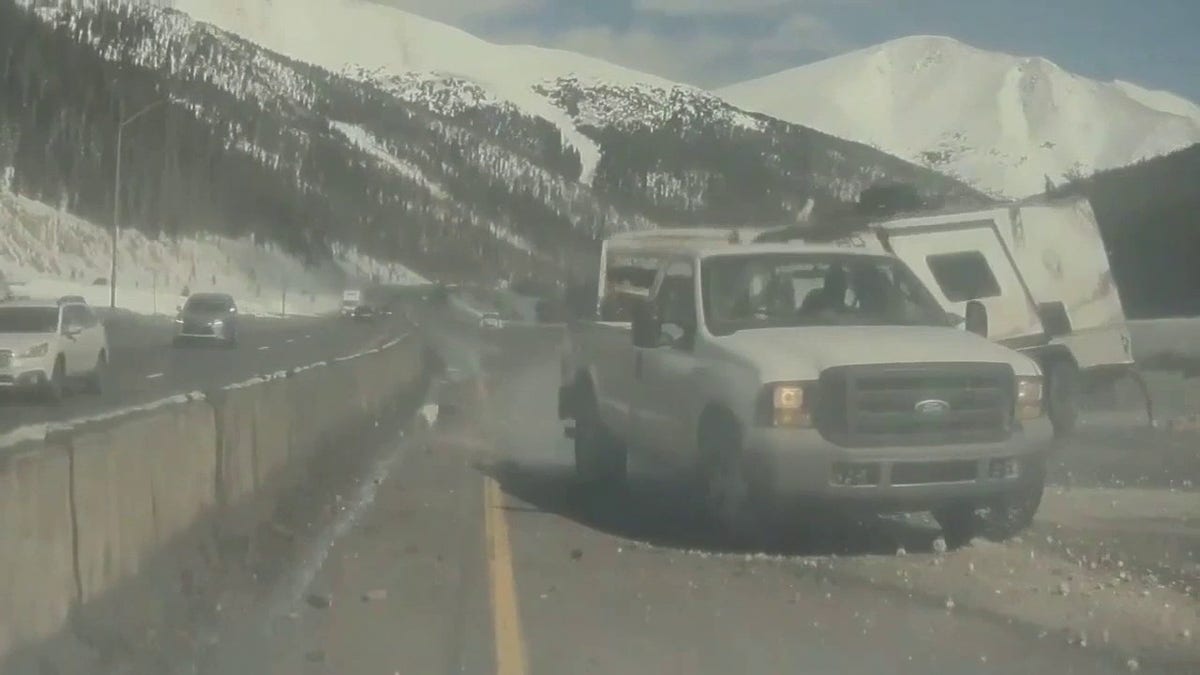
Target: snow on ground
355 36
367 142
48 253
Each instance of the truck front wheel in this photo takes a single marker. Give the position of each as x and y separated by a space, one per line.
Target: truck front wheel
1062 396
999 519
600 457
730 499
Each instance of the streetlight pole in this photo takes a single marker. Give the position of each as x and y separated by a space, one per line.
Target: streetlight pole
116 231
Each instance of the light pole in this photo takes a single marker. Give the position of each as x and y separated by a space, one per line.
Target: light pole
116 231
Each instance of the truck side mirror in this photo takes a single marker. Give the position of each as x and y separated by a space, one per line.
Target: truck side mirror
976 320
647 328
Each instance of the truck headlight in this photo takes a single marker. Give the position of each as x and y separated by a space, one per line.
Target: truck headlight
35 351
1029 398
786 404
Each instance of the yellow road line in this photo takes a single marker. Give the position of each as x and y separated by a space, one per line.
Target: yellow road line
506 616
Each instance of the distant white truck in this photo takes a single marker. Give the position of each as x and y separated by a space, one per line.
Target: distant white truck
777 373
351 300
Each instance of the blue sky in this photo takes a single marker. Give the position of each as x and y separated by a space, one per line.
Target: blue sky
1155 43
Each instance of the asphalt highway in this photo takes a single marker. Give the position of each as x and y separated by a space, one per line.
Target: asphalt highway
145 366
470 548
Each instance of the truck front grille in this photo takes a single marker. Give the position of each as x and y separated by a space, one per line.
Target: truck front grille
916 404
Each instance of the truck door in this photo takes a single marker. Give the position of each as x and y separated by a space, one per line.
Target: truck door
609 340
666 374
966 261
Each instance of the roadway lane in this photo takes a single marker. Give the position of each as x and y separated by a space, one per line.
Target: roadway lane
146 367
477 553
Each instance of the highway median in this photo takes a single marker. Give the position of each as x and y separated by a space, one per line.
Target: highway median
115 531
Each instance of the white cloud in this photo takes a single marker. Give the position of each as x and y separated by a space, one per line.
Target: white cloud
692 7
708 53
709 57
454 11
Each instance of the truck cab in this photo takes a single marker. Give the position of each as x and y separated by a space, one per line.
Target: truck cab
784 373
351 301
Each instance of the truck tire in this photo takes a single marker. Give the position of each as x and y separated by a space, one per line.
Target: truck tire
1012 513
998 520
56 384
960 523
1062 396
729 497
95 379
600 457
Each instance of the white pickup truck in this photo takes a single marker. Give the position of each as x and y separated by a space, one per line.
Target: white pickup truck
778 373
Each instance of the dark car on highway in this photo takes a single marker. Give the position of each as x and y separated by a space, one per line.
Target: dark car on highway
207 317
363 313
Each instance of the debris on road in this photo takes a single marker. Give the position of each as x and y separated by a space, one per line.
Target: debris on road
318 601
576 554
375 595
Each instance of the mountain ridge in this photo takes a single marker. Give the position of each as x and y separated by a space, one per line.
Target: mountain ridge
1003 123
431 171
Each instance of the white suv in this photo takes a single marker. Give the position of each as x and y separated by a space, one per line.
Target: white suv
45 345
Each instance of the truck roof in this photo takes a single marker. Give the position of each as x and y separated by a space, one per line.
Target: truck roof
704 242
45 303
1035 200
704 249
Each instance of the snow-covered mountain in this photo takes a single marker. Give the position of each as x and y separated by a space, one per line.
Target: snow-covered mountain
450 71
345 123
426 61
1002 123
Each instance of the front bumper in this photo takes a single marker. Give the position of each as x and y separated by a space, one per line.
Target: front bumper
199 331
801 464
21 374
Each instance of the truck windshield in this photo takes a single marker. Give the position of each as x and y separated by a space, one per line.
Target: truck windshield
804 289
28 319
208 304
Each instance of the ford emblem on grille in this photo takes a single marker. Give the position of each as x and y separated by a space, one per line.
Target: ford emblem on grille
932 408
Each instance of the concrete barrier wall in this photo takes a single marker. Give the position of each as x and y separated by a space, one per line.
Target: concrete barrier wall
37 578
138 482
93 508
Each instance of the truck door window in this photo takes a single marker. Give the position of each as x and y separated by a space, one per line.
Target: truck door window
963 276
628 277
676 301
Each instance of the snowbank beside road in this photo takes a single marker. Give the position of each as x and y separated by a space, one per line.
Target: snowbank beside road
51 253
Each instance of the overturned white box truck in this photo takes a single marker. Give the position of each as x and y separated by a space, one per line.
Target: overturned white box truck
1032 275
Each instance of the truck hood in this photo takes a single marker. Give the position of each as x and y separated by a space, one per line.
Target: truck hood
802 353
